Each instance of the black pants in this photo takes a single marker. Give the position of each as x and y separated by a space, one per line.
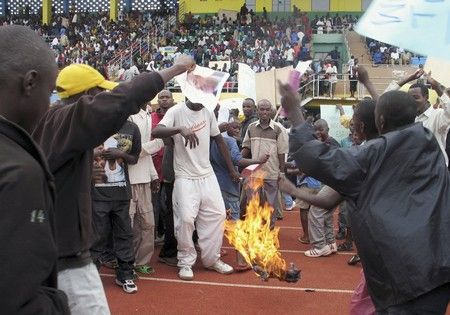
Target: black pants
113 216
434 302
169 248
157 203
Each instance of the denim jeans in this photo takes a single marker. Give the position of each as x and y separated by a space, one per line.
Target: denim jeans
232 204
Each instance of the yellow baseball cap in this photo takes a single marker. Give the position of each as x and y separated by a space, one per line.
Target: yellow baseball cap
77 78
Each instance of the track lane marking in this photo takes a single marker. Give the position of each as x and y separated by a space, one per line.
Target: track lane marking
235 285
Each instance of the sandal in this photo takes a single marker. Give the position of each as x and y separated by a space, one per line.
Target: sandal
145 269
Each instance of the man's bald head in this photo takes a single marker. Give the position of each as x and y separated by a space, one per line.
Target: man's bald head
321 123
22 50
27 75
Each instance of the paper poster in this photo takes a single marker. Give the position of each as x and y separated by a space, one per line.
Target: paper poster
203 85
302 66
440 70
265 86
422 26
331 114
246 81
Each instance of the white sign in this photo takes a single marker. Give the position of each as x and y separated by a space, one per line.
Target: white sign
440 70
331 114
203 85
246 81
422 26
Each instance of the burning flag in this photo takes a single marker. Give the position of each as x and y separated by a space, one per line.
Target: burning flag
256 242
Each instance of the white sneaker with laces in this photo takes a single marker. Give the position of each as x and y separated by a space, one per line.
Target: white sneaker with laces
315 252
127 285
186 273
222 267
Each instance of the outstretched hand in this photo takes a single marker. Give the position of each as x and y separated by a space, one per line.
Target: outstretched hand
286 186
363 75
190 138
186 62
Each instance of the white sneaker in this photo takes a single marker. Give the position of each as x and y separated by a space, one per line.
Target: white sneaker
127 285
186 273
222 267
333 247
314 252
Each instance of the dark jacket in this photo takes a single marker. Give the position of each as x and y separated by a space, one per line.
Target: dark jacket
399 188
27 232
68 134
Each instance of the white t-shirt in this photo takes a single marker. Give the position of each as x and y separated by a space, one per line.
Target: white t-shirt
187 162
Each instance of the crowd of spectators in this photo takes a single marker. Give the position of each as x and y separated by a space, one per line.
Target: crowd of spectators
383 53
257 40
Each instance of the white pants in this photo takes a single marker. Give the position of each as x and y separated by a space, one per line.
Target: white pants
199 201
84 290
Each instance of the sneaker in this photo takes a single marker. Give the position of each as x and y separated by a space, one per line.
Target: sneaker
354 260
169 261
127 285
291 207
145 269
345 247
315 252
333 247
222 267
186 273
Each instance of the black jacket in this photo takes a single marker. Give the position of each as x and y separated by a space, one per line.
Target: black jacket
27 233
67 135
399 188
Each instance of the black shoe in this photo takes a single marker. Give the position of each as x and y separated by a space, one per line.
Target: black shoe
354 260
340 235
169 261
345 247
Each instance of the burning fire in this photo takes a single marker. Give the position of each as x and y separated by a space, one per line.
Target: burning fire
254 239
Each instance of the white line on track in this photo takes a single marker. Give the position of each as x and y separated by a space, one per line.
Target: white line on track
235 285
291 251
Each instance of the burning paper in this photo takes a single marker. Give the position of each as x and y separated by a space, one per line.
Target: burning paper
256 242
203 85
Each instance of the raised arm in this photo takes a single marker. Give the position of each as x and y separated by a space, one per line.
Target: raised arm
363 77
290 100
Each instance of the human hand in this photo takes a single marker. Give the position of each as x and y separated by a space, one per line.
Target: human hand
190 137
155 185
235 176
185 62
112 154
417 74
289 98
264 158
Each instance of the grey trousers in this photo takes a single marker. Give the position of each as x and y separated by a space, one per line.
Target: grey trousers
320 223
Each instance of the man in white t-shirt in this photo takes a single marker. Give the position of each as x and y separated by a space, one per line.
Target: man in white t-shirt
196 194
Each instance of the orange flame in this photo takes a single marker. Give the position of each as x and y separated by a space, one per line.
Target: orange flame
254 239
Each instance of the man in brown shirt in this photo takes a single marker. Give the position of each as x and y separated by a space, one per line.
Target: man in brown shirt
267 137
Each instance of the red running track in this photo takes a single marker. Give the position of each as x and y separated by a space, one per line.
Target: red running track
325 288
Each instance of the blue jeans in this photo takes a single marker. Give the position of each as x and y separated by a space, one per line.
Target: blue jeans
288 201
232 203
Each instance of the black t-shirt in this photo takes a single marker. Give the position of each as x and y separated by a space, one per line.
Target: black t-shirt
117 184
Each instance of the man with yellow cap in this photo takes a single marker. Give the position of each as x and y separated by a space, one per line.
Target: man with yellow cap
68 134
